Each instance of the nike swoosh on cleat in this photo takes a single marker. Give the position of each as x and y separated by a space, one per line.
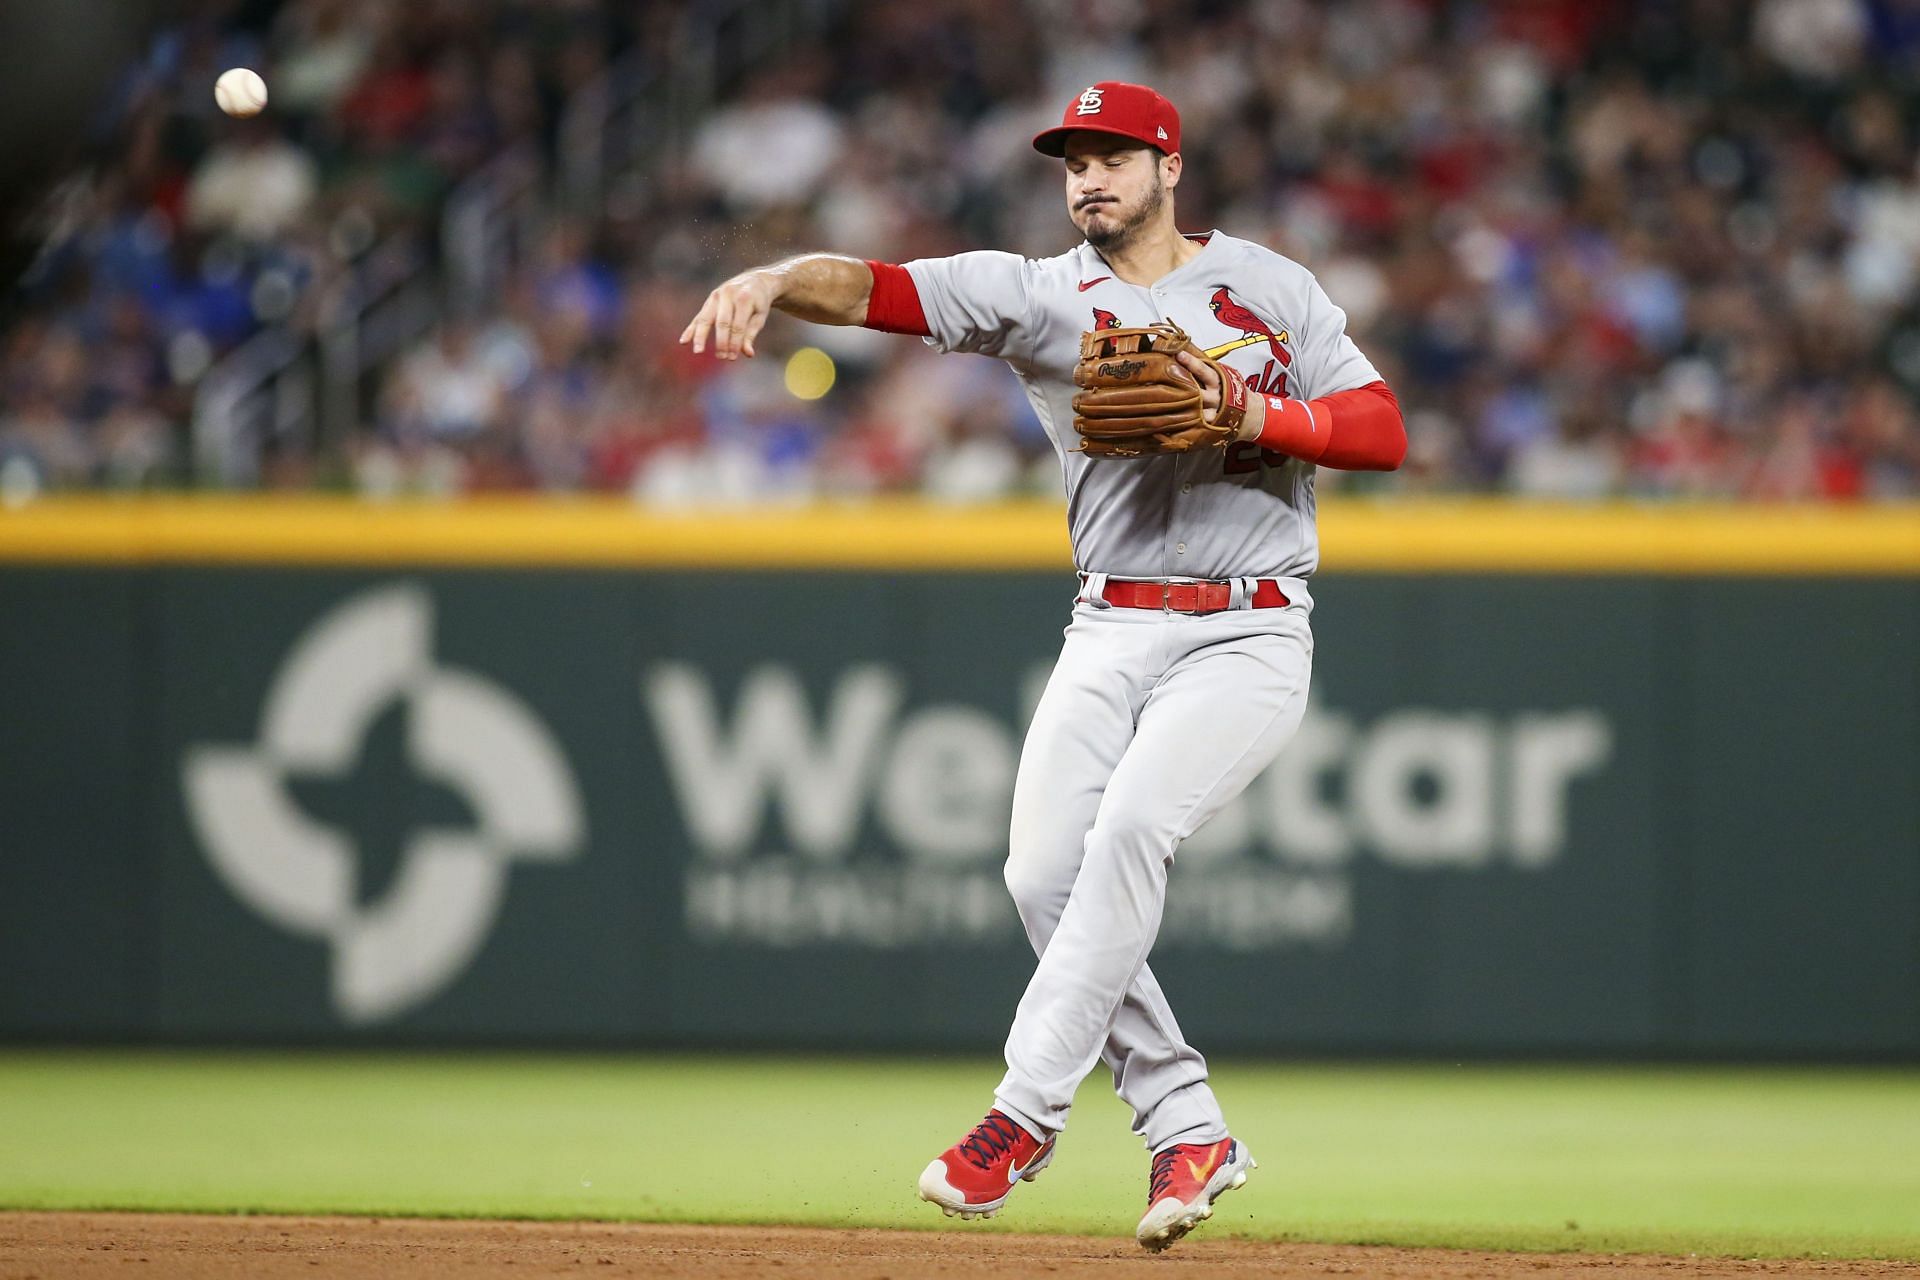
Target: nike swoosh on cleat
1014 1171
1088 284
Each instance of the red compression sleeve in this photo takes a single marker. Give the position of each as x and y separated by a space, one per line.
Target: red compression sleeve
1357 430
894 305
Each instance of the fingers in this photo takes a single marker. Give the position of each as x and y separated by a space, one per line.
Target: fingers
732 316
738 320
749 318
1202 371
1206 376
725 344
702 324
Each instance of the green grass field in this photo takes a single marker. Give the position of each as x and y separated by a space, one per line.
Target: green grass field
1730 1161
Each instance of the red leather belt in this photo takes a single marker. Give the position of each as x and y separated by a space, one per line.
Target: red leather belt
1188 597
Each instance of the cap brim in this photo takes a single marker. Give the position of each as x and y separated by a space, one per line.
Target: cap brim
1054 141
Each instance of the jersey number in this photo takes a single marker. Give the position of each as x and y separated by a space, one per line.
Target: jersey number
1245 457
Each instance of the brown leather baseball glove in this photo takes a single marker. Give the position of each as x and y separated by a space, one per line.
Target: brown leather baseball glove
1136 400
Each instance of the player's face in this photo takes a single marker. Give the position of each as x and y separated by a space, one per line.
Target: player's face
1114 187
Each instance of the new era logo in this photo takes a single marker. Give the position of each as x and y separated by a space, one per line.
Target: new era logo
1090 103
1161 131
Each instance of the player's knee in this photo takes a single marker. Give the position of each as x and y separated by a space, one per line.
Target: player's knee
1022 883
1033 888
1032 847
1134 829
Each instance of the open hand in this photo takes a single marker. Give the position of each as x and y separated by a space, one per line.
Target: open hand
733 314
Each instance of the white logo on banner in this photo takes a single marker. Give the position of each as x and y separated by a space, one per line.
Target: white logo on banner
777 796
462 730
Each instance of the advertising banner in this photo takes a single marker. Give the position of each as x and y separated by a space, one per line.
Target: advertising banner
1525 814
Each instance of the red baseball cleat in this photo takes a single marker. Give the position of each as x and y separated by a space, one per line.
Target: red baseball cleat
976 1174
1187 1180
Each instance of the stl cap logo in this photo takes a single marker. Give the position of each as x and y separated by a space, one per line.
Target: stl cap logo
462 731
1090 103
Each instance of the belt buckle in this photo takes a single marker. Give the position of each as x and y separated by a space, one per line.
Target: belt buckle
1202 605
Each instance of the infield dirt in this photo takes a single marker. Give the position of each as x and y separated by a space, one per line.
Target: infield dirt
51 1246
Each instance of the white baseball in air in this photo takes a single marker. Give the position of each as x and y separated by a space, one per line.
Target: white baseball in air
240 92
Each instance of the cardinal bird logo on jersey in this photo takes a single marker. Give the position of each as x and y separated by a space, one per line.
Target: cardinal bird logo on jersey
1254 329
1105 319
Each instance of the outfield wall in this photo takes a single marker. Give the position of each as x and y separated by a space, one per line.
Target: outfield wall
1605 781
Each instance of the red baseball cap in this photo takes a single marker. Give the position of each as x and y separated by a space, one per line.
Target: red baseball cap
1125 110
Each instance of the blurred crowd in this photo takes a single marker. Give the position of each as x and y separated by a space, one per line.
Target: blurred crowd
1599 247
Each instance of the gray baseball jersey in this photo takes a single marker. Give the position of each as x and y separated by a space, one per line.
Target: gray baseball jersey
1214 513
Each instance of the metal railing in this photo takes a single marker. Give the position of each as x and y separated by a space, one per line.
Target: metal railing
491 222
621 126
305 390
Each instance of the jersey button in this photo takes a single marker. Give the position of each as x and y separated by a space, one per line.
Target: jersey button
1186 488
1180 548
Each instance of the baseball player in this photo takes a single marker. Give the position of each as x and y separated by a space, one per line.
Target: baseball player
1191 385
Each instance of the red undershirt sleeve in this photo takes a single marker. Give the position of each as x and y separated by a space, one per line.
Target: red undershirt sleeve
1357 430
894 305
